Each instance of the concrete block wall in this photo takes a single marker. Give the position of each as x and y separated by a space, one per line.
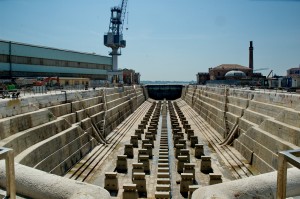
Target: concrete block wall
56 137
12 125
267 122
209 103
121 105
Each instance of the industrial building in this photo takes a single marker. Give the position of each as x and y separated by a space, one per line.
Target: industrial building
231 73
26 60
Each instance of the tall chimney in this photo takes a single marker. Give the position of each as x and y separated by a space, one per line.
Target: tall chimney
251 55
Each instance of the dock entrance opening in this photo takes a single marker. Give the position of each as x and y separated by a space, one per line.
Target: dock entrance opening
168 92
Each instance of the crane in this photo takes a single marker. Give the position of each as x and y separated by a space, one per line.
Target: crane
114 37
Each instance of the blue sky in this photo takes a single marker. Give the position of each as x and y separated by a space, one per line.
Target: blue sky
166 39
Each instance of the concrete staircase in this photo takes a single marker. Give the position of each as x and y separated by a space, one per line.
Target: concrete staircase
55 138
267 122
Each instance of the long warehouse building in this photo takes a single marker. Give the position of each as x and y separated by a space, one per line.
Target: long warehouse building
26 60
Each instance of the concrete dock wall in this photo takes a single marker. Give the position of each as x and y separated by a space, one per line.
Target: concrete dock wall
268 122
32 183
52 132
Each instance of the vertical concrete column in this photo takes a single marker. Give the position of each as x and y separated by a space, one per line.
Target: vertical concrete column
122 163
199 150
281 176
8 155
128 150
205 164
140 181
111 181
130 191
186 181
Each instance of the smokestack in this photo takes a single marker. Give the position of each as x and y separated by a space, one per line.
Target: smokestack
251 55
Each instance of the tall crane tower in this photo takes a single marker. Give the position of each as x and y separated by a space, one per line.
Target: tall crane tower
114 37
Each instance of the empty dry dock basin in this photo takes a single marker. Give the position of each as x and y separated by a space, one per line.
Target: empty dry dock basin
134 146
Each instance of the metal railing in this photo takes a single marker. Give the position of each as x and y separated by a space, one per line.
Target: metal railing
8 155
284 157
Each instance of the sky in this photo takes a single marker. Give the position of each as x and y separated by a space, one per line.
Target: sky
168 40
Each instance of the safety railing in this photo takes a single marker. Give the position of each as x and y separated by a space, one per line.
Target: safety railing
8 155
284 157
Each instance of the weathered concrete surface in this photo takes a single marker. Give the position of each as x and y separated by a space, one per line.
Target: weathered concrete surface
262 186
267 122
57 136
38 184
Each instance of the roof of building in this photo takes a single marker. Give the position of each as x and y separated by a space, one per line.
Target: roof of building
235 73
232 67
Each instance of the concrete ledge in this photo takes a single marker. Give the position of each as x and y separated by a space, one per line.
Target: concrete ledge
33 183
262 186
25 139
